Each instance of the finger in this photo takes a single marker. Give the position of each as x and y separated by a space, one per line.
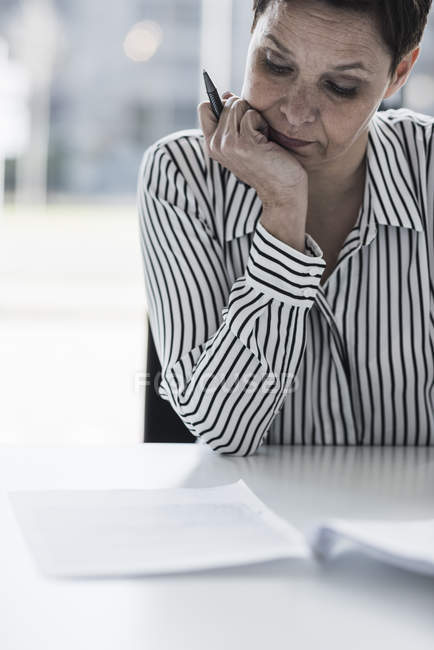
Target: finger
226 107
239 108
251 122
207 119
223 119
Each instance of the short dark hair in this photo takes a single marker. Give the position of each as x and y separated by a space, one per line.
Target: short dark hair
401 23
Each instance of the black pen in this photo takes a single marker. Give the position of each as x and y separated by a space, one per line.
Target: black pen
213 95
216 104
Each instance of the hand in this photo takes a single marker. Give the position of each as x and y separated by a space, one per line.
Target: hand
239 141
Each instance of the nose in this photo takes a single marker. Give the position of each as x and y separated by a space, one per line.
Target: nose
298 107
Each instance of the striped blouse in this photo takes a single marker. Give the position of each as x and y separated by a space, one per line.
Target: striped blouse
253 349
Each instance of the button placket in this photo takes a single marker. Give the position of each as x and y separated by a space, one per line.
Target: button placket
340 358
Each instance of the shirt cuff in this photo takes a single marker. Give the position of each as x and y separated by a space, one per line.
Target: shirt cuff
283 272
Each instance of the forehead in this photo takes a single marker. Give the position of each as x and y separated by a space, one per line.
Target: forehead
309 26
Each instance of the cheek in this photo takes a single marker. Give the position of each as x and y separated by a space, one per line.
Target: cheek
259 91
346 122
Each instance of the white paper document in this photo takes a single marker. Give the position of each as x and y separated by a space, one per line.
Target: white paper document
82 533
137 532
407 544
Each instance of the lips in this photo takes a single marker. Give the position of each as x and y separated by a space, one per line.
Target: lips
285 141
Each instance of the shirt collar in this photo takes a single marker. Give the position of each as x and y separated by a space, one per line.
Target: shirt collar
389 186
391 177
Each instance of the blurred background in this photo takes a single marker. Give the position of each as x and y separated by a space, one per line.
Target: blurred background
85 87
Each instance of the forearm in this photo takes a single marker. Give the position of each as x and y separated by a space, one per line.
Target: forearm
231 395
231 390
290 231
287 220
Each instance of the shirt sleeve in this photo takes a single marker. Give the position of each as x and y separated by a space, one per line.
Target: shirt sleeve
229 353
430 203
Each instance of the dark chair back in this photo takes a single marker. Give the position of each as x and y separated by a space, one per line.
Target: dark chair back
162 424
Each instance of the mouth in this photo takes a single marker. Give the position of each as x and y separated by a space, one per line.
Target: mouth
289 143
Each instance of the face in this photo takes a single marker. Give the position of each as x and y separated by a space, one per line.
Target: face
318 73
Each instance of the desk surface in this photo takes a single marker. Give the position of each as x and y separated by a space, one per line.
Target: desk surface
351 602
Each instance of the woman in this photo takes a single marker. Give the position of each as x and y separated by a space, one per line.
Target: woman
290 286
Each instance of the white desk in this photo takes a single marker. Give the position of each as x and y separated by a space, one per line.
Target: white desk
351 603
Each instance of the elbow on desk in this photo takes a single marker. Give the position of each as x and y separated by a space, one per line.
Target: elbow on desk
221 441
218 445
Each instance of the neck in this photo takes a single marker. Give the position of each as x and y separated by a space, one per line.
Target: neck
341 182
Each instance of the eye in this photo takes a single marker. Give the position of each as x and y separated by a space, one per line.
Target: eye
347 92
337 90
277 69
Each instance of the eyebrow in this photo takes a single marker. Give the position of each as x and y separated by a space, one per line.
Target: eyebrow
345 66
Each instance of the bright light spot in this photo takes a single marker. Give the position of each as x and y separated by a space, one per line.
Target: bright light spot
143 40
420 92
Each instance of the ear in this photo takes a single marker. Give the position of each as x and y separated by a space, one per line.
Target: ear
402 72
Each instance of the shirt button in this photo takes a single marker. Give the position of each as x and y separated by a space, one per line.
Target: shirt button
312 271
308 293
